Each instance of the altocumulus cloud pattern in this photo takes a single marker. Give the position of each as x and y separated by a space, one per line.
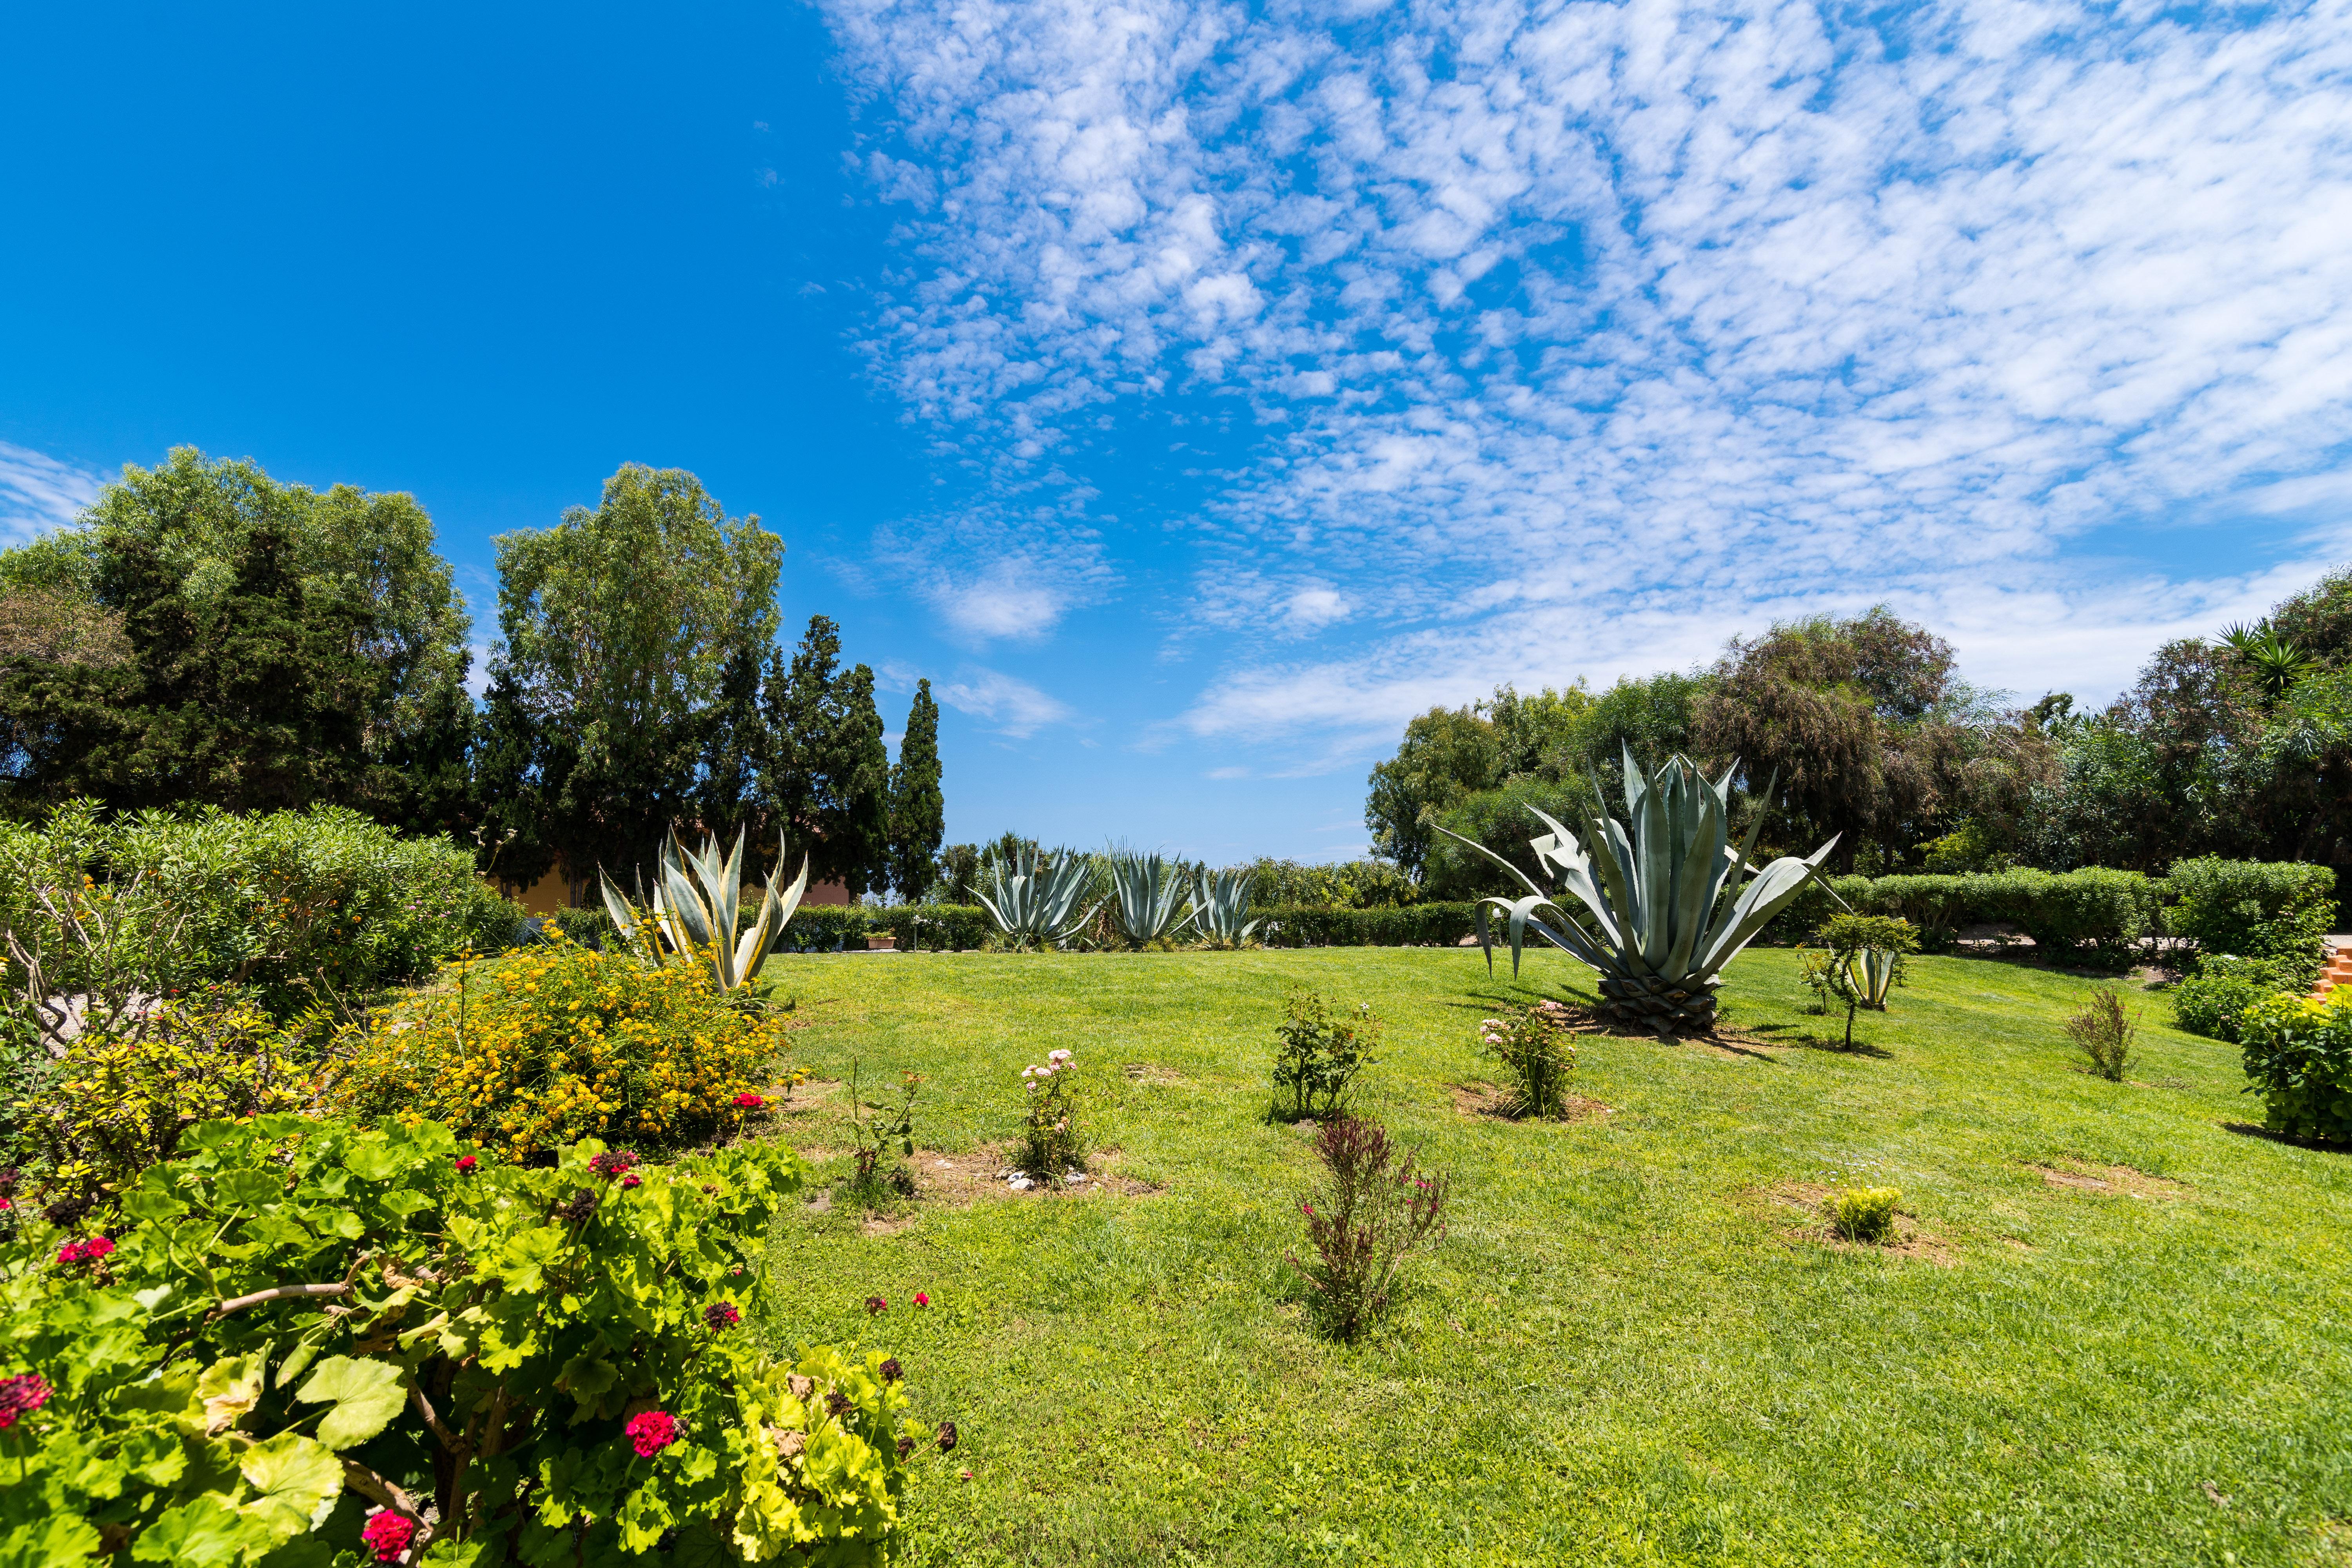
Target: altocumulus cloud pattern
1702 307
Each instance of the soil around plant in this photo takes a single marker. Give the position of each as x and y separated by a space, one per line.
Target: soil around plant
1812 1199
1718 1037
1494 1102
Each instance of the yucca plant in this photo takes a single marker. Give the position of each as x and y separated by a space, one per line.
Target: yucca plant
1037 904
1221 904
1664 904
698 903
1146 893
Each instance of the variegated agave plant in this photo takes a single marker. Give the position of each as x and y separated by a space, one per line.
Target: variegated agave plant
1221 907
1665 906
697 905
1037 904
1146 893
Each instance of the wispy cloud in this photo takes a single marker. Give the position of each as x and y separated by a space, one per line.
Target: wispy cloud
1006 704
39 493
1621 326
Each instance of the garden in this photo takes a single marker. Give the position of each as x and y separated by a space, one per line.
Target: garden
353 1219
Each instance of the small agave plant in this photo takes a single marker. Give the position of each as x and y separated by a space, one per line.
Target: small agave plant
1037 904
1146 893
1221 907
697 905
1664 905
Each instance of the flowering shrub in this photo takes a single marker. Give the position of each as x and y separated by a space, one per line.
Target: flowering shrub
1535 1047
315 1344
557 1043
1372 1211
2298 1051
118 1103
1049 1134
1318 1057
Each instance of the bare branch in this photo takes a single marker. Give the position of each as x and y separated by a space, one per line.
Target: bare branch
276 1293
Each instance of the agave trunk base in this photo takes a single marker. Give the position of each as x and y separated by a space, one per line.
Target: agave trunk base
1661 1006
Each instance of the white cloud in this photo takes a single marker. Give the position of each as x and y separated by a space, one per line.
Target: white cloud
1009 706
39 493
1615 327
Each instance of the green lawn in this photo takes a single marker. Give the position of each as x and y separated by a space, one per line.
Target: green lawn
1631 1348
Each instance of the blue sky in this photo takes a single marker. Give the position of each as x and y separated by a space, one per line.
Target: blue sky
1194 391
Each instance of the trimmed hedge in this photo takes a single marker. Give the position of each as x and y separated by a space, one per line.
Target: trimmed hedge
832 927
2277 909
1420 925
2298 1051
2095 913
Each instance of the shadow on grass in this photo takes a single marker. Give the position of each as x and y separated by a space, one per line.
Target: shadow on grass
2271 1135
1782 1036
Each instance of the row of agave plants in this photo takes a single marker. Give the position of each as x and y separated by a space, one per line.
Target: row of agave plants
1039 900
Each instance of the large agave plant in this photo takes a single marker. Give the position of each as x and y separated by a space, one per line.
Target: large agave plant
1664 905
1037 904
1221 907
697 905
1146 893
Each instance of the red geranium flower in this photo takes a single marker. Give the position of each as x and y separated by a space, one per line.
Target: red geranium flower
631 1180
388 1533
466 1163
612 1162
721 1315
651 1431
921 1299
747 1100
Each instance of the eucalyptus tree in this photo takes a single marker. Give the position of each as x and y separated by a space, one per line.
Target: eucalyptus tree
617 628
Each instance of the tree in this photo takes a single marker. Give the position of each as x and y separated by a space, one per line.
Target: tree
1446 753
918 808
243 643
827 778
617 628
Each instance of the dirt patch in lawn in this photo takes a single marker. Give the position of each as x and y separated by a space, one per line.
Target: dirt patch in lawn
1490 1100
1811 1200
1151 1073
978 1174
2107 1180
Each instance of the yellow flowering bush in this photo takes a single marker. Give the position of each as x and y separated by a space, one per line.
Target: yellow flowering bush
118 1101
557 1043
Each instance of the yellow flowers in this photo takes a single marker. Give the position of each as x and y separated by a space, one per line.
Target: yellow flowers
562 1043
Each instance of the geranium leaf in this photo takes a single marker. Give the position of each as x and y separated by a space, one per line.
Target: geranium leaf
366 1394
298 1480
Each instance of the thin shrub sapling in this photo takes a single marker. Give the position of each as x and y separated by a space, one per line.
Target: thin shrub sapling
1536 1048
1861 959
1373 1210
888 1130
1050 1145
2104 1033
1318 1056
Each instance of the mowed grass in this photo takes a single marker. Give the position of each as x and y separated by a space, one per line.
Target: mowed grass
1634 1346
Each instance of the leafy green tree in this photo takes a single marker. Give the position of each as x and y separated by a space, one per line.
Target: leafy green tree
618 628
262 645
1446 754
918 808
827 778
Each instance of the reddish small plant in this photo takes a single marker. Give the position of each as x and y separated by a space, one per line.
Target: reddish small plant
651 1431
1373 1212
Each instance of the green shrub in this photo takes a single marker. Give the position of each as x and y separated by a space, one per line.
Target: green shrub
586 928
1865 1214
118 1102
2298 1051
2256 908
551 1364
1421 925
1862 958
283 903
1345 885
1318 1056
2210 999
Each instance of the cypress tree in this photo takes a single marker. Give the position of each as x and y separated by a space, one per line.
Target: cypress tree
918 809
